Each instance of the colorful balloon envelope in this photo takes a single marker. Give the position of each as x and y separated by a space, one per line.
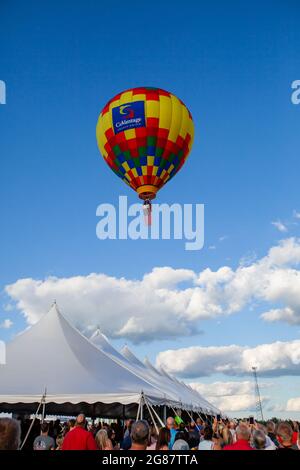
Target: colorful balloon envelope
145 135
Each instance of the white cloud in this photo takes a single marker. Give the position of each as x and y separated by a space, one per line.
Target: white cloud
248 259
167 277
296 214
273 359
287 252
224 389
6 324
138 310
231 396
236 403
293 404
169 302
277 314
280 226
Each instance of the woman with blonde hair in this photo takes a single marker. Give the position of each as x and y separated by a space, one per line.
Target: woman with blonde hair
102 440
226 436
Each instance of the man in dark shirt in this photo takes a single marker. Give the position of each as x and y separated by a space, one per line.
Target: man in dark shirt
271 432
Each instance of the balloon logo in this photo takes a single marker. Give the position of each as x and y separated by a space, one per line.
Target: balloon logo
145 135
128 112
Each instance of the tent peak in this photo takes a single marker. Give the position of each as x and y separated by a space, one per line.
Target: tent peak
54 308
99 335
96 333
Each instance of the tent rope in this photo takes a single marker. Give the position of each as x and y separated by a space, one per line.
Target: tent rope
192 420
33 420
174 411
157 416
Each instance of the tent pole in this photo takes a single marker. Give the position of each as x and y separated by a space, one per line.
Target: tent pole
192 419
189 414
151 415
139 409
165 414
44 405
157 416
43 412
142 405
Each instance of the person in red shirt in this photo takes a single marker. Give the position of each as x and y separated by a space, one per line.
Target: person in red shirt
242 439
78 438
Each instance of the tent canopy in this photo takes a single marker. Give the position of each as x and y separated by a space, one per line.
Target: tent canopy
185 395
53 356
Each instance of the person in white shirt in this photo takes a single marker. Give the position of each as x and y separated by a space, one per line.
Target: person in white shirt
207 442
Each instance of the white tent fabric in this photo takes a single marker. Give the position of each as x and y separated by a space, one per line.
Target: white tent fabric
102 342
53 355
186 396
195 398
128 354
165 384
203 403
136 367
183 395
180 394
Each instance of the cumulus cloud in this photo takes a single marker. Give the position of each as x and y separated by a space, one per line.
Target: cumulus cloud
293 404
276 314
138 310
169 302
224 389
273 359
168 277
6 324
280 226
237 403
231 396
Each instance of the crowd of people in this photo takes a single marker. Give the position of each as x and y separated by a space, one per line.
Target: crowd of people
80 434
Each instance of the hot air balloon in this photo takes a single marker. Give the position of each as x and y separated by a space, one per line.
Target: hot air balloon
145 135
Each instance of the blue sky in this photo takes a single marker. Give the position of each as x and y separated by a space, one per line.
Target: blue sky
232 63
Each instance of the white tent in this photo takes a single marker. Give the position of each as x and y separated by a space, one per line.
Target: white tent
186 396
53 355
190 396
164 382
179 392
136 367
206 406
